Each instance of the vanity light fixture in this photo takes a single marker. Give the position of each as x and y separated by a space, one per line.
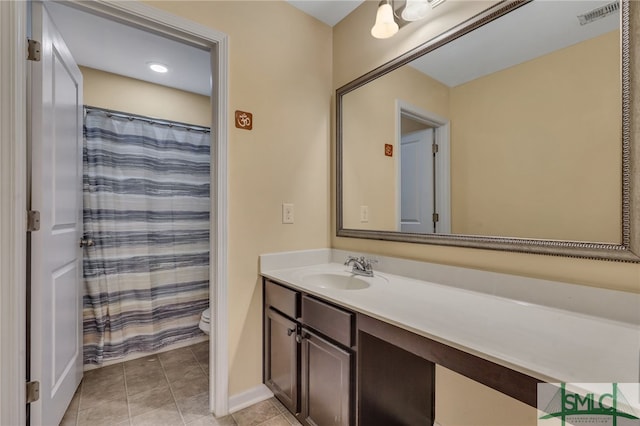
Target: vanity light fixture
415 10
386 25
159 68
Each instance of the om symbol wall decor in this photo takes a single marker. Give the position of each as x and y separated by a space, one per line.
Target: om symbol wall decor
244 120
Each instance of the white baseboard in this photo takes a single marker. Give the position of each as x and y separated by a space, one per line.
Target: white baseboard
249 397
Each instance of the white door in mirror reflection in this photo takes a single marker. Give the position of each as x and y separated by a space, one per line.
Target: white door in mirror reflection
417 182
423 203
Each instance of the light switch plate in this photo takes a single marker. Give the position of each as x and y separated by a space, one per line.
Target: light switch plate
364 214
287 213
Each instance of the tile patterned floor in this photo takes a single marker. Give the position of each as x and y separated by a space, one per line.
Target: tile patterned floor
171 388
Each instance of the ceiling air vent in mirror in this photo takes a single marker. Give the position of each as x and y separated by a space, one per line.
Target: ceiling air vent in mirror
599 13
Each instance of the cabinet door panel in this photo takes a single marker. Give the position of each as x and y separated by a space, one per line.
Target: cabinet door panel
326 382
281 359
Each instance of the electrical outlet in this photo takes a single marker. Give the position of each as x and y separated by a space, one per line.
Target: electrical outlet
364 214
287 213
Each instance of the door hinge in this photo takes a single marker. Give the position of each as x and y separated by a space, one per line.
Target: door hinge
33 50
436 217
33 392
434 148
33 220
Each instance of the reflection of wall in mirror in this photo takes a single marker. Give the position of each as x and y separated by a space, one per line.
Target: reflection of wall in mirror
513 174
369 114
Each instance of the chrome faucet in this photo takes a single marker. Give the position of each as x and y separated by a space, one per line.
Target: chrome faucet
361 265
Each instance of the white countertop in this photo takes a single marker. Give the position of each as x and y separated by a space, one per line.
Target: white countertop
552 331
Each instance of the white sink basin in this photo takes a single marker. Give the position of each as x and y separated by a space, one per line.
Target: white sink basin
338 280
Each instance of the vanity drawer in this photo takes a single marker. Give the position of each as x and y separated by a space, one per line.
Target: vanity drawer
329 320
283 299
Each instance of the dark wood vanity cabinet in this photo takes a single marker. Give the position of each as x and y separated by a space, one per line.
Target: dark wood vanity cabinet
281 358
308 356
326 382
332 367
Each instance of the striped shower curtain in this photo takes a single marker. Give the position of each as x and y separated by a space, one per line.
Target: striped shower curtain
146 207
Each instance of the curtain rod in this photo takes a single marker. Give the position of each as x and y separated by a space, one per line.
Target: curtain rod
152 120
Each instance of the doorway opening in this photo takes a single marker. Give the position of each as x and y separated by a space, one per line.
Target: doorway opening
423 200
183 31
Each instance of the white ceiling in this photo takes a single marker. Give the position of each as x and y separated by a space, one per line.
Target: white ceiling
106 45
328 11
536 29
533 30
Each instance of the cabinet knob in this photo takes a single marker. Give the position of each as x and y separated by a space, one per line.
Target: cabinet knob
301 337
290 331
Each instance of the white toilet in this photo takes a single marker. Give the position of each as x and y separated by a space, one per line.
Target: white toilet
205 321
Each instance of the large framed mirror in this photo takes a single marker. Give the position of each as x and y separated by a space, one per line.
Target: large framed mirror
514 130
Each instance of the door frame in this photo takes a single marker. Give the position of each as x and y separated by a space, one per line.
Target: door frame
13 204
13 189
441 127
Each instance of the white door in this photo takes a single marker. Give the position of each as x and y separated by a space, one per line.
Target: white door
416 182
56 258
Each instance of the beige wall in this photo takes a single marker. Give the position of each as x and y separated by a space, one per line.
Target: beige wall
279 70
116 92
464 402
370 177
355 53
535 148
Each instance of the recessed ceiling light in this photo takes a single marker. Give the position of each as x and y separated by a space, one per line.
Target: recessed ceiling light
158 67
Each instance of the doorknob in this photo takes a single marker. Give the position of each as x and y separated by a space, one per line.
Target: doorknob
87 242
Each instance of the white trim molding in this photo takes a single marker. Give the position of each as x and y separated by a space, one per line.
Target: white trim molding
249 397
219 341
13 178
